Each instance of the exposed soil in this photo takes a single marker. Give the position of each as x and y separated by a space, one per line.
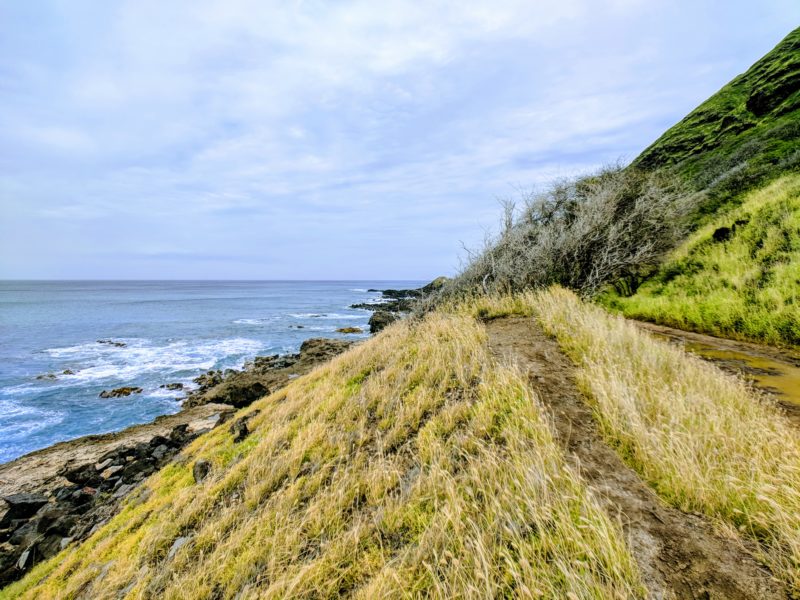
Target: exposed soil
775 371
680 555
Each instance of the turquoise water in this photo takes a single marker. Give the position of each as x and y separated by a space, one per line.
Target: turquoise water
172 332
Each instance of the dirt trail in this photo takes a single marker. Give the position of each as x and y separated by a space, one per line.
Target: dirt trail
679 554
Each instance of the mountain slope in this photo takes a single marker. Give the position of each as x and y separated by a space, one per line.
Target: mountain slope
744 135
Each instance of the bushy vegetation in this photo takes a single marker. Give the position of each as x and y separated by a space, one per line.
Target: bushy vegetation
411 466
738 276
704 440
611 227
745 135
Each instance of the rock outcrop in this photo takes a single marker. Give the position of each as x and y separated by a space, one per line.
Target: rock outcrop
120 392
60 495
263 375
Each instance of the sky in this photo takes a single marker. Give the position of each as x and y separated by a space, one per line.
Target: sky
144 139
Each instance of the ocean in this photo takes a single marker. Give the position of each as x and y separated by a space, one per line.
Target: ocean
172 331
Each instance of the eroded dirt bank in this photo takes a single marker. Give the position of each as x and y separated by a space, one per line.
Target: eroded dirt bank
680 555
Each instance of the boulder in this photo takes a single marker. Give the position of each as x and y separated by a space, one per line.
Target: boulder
171 386
22 506
380 320
120 392
350 330
112 343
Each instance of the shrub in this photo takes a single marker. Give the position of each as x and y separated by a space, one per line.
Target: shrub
613 226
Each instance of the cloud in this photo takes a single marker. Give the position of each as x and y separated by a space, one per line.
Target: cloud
275 129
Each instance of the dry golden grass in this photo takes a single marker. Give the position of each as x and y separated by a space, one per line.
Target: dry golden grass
410 466
701 438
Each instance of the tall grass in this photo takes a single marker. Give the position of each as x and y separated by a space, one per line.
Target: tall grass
703 439
745 287
411 466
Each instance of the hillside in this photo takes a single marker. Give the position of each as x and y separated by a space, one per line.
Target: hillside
741 137
738 276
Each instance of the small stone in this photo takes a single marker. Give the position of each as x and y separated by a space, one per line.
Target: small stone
176 545
111 471
68 372
102 465
123 489
160 452
239 430
66 542
22 563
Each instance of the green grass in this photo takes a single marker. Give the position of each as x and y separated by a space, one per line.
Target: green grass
746 287
743 136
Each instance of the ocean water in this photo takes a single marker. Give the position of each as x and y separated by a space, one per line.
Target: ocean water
172 331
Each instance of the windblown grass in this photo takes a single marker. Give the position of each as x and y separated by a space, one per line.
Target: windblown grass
703 439
746 287
411 466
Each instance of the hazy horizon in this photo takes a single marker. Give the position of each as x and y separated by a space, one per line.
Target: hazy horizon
258 141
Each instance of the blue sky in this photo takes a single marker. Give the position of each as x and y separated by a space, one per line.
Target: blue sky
327 140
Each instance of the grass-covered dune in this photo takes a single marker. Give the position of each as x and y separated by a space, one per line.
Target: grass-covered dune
411 466
738 276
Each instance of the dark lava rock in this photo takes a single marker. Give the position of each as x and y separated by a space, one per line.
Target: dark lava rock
171 386
68 372
239 427
350 330
380 320
84 475
47 376
238 392
263 375
317 350
722 234
112 343
22 506
120 392
200 470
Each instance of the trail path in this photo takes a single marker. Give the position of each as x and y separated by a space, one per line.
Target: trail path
679 554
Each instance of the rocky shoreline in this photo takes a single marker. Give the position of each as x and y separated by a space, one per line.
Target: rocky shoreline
60 495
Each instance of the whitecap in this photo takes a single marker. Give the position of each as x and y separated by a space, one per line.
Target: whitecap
140 359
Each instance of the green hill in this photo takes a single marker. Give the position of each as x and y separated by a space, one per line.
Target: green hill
741 137
738 275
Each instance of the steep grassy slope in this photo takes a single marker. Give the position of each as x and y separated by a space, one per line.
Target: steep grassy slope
409 466
738 276
743 136
701 438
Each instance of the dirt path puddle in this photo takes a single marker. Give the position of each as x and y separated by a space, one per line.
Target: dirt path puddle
773 370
